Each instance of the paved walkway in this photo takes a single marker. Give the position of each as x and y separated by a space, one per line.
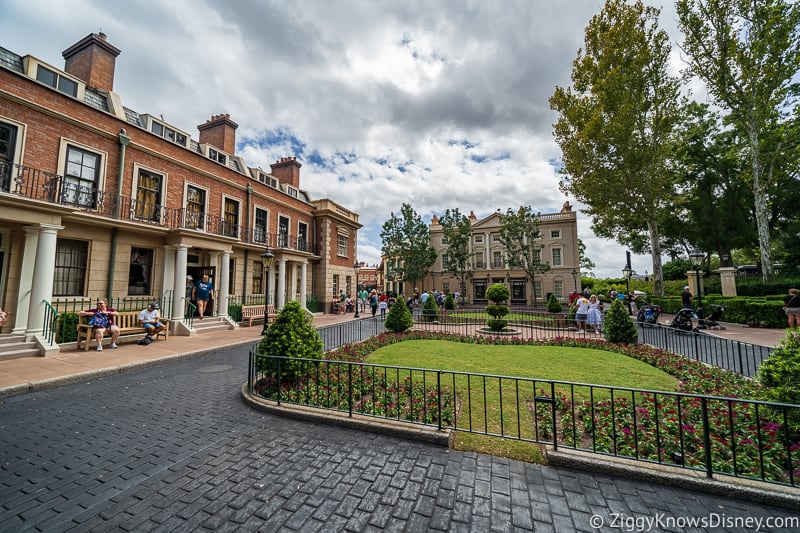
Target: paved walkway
173 448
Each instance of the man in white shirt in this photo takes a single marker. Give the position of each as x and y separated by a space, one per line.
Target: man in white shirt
150 320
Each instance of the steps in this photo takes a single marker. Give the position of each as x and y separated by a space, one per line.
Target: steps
15 347
209 325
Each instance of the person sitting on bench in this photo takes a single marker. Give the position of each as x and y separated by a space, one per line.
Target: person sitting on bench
150 320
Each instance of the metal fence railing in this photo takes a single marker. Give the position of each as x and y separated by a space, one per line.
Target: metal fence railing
714 435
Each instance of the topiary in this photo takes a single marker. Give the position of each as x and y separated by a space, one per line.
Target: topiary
781 372
618 325
497 293
291 335
449 302
430 310
553 305
399 318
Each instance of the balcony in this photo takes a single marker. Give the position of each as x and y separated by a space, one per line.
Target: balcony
54 189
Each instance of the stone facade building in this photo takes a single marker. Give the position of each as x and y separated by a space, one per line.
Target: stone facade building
100 200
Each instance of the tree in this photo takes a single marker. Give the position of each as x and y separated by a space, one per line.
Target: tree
521 239
291 335
747 53
615 127
498 294
408 241
619 327
399 318
457 232
585 263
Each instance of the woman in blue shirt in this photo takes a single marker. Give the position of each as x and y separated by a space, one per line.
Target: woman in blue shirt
201 294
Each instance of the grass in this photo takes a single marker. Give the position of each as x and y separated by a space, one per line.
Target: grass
481 398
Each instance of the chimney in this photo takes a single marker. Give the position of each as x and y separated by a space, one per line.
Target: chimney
287 170
92 59
219 131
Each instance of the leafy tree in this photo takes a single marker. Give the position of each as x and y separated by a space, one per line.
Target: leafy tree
497 294
780 374
677 269
585 263
407 240
399 318
291 335
748 53
521 239
457 230
618 325
616 125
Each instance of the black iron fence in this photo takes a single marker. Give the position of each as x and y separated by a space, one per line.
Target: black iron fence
715 435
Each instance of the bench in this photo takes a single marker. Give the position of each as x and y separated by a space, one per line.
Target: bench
255 312
126 321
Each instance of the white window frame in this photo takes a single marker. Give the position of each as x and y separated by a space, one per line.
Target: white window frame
555 233
557 257
64 143
223 213
19 148
342 241
204 212
256 209
135 185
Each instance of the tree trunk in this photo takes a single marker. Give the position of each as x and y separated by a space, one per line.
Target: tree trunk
762 214
655 246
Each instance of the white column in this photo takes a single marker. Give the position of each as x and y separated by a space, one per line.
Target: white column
293 281
281 283
42 289
270 281
179 282
26 280
169 272
224 275
303 282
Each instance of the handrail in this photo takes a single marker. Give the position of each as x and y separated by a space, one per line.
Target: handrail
50 322
189 312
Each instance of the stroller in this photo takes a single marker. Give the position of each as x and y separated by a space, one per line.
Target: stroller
712 320
683 319
648 313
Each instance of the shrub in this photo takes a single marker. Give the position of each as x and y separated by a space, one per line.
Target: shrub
618 325
399 318
449 302
67 327
497 293
430 310
291 335
780 374
553 305
235 312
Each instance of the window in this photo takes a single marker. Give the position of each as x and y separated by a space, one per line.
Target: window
302 237
139 271
497 259
341 246
445 240
518 289
446 287
479 289
478 239
558 289
283 232
496 237
80 177
479 262
230 225
148 196
219 157
556 256
69 274
258 278
292 192
260 225
168 133
555 234
8 136
335 287
56 81
445 261
537 290
195 207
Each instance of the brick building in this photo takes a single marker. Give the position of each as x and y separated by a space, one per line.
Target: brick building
97 199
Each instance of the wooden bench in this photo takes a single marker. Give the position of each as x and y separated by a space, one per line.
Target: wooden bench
126 321
255 312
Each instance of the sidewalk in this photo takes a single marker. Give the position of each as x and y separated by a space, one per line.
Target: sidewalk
28 374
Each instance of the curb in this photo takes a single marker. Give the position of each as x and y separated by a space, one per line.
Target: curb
88 375
381 426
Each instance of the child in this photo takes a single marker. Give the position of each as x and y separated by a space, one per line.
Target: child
383 306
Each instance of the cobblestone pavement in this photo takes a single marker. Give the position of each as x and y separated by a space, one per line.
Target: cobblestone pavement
173 447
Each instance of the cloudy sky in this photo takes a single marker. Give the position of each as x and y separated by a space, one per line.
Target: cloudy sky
442 104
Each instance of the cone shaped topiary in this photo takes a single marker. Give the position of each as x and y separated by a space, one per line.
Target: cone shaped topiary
291 335
399 318
618 326
553 306
430 310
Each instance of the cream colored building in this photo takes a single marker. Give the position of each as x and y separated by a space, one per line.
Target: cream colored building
559 237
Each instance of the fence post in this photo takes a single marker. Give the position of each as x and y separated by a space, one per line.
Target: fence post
279 381
553 414
439 395
251 366
706 436
350 389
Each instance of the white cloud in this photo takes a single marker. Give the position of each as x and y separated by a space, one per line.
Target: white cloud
440 104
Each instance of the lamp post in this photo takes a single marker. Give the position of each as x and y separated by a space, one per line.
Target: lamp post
575 279
267 259
626 272
696 257
357 268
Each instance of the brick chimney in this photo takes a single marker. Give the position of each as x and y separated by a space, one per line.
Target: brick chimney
92 59
287 170
219 131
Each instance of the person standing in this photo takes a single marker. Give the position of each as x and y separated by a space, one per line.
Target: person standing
686 297
594 318
201 294
383 305
102 320
791 306
581 313
373 301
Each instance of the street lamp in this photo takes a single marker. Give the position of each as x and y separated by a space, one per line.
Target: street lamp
575 279
267 258
626 272
357 268
696 257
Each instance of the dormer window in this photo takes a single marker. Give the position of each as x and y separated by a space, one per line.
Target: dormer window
168 133
292 192
219 157
56 81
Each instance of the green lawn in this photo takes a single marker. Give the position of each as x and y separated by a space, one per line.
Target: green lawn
481 398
